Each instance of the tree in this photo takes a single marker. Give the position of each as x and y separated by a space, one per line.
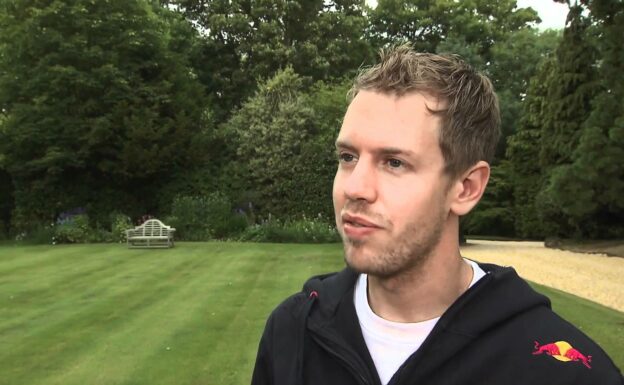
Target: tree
590 190
570 91
427 23
571 87
284 138
99 99
6 202
514 61
494 214
246 41
523 149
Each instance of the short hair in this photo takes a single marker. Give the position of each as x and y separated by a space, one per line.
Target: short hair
470 127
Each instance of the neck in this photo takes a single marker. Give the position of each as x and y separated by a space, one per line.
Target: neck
426 291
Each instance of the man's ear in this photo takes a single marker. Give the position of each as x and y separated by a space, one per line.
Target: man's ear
469 187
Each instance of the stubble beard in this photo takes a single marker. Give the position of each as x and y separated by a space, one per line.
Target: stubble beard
407 251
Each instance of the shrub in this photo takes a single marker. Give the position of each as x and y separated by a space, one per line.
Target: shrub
283 137
292 231
4 230
72 229
99 235
496 221
198 218
39 235
119 224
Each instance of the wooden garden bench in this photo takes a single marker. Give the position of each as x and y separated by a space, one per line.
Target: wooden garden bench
152 233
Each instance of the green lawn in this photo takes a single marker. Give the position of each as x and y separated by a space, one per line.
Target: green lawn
103 314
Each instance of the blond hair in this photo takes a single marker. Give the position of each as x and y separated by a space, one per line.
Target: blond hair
470 127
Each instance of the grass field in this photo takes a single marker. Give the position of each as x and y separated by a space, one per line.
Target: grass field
103 314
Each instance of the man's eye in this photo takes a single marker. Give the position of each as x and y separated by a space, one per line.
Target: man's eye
394 163
345 157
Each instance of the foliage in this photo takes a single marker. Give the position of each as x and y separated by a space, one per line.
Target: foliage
98 103
557 103
590 189
284 145
119 224
494 214
515 61
523 154
570 89
246 41
200 218
40 234
7 204
427 23
315 230
74 229
566 154
122 106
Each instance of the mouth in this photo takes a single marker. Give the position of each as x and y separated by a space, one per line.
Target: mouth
358 221
357 226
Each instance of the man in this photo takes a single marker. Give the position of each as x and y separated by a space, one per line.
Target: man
413 155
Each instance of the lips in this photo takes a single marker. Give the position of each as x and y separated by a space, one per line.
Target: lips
357 221
356 227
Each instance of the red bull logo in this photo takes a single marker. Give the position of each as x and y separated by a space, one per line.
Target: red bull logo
562 351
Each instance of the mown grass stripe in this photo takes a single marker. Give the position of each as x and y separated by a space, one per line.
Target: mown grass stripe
195 340
274 283
143 332
44 259
27 304
71 332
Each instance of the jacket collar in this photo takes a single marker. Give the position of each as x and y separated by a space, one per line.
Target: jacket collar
496 298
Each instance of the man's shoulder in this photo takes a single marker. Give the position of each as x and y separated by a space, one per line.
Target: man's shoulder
515 326
559 347
542 344
323 290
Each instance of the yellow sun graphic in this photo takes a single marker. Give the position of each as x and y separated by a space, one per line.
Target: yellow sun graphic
563 349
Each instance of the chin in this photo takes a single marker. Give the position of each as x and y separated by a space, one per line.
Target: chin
355 257
362 259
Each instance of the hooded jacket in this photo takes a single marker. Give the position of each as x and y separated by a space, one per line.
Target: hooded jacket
500 331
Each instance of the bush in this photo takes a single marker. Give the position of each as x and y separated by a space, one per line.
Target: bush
119 224
495 221
200 218
38 235
283 138
292 231
73 229
4 230
99 235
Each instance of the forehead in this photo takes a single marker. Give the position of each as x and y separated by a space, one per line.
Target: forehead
377 120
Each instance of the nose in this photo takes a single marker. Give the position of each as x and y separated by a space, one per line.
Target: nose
360 184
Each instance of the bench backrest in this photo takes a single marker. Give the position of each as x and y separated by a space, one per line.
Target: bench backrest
153 227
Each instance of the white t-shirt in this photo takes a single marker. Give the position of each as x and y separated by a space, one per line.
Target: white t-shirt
391 343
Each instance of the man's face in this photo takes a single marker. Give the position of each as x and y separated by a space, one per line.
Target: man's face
390 192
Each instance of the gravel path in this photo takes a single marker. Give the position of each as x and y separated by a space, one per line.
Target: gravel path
593 276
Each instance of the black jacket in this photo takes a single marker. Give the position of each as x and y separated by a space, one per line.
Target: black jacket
500 331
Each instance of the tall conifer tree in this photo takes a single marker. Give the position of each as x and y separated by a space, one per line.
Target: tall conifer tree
591 190
570 89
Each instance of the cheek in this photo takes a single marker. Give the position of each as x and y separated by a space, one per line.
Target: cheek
408 203
337 195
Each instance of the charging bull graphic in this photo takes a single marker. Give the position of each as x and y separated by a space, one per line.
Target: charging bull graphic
562 351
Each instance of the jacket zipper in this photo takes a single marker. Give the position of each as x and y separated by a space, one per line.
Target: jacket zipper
349 365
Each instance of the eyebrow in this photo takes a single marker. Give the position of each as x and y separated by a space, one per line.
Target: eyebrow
381 151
